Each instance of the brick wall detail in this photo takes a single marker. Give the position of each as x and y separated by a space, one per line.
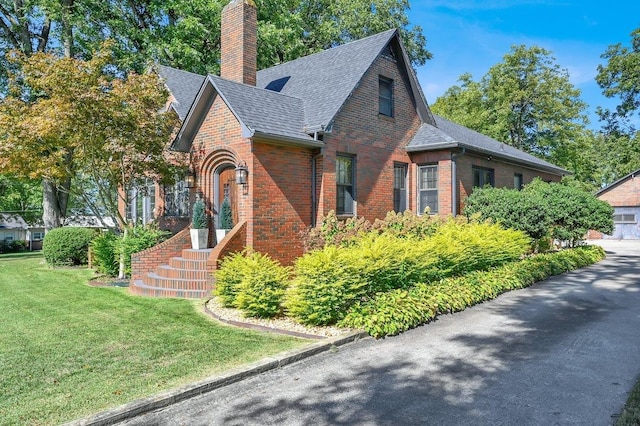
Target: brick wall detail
148 260
624 194
235 241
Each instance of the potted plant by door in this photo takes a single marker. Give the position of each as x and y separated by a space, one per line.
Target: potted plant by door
226 220
199 226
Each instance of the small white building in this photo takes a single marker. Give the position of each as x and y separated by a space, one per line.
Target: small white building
13 228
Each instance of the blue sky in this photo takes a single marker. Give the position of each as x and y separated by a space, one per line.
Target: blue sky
471 36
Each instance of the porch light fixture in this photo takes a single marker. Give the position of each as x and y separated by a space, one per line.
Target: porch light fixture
190 179
241 174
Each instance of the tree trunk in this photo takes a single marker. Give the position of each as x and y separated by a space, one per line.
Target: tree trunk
54 203
121 271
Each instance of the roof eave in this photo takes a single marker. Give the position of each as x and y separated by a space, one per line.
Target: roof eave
507 158
288 140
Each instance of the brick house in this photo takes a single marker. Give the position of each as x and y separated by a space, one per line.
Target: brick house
624 196
347 129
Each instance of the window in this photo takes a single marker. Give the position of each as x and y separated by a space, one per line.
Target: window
385 96
8 238
428 188
176 198
482 177
142 203
345 177
37 236
624 218
518 182
399 187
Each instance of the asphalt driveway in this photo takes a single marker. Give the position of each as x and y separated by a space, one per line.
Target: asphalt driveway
564 351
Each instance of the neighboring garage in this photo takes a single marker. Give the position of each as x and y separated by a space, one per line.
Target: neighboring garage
624 197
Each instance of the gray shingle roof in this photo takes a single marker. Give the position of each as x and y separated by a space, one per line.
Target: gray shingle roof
450 135
325 80
263 111
184 87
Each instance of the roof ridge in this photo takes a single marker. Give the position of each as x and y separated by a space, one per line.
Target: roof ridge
332 49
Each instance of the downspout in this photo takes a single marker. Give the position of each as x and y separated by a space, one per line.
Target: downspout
454 182
314 185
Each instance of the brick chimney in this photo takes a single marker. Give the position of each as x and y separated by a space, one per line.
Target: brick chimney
238 42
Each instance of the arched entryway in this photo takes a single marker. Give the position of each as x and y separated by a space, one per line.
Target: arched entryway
224 187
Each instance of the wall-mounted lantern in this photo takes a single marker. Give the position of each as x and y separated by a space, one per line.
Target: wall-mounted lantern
190 179
242 172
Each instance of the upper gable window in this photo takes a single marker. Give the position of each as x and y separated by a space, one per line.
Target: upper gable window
385 96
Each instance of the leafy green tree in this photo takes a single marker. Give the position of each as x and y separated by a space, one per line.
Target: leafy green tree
526 101
620 77
564 211
21 196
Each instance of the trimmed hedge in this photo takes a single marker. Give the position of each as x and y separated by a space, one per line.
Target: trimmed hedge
67 246
330 280
396 311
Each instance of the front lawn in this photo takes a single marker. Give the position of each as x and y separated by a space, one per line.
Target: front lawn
68 350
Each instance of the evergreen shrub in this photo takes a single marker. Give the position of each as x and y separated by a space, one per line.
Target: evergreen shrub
67 246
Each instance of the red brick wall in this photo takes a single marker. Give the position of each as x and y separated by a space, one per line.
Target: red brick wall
375 140
281 199
235 241
148 260
238 42
625 194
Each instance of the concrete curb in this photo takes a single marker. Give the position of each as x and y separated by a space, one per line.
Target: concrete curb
173 396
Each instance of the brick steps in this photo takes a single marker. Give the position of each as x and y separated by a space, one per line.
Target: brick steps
185 276
140 288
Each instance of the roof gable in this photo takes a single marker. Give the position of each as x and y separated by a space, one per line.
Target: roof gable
619 182
184 87
12 221
294 99
326 79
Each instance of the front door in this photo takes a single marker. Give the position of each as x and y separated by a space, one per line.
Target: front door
227 189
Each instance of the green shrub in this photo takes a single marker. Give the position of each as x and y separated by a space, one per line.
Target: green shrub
335 232
563 211
399 310
262 289
229 275
408 224
136 239
226 215
104 253
328 281
67 246
12 246
323 288
253 283
199 215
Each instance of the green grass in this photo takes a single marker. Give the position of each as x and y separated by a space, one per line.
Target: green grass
68 350
630 415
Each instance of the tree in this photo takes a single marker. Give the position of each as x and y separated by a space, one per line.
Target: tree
564 211
526 101
21 196
67 117
620 77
